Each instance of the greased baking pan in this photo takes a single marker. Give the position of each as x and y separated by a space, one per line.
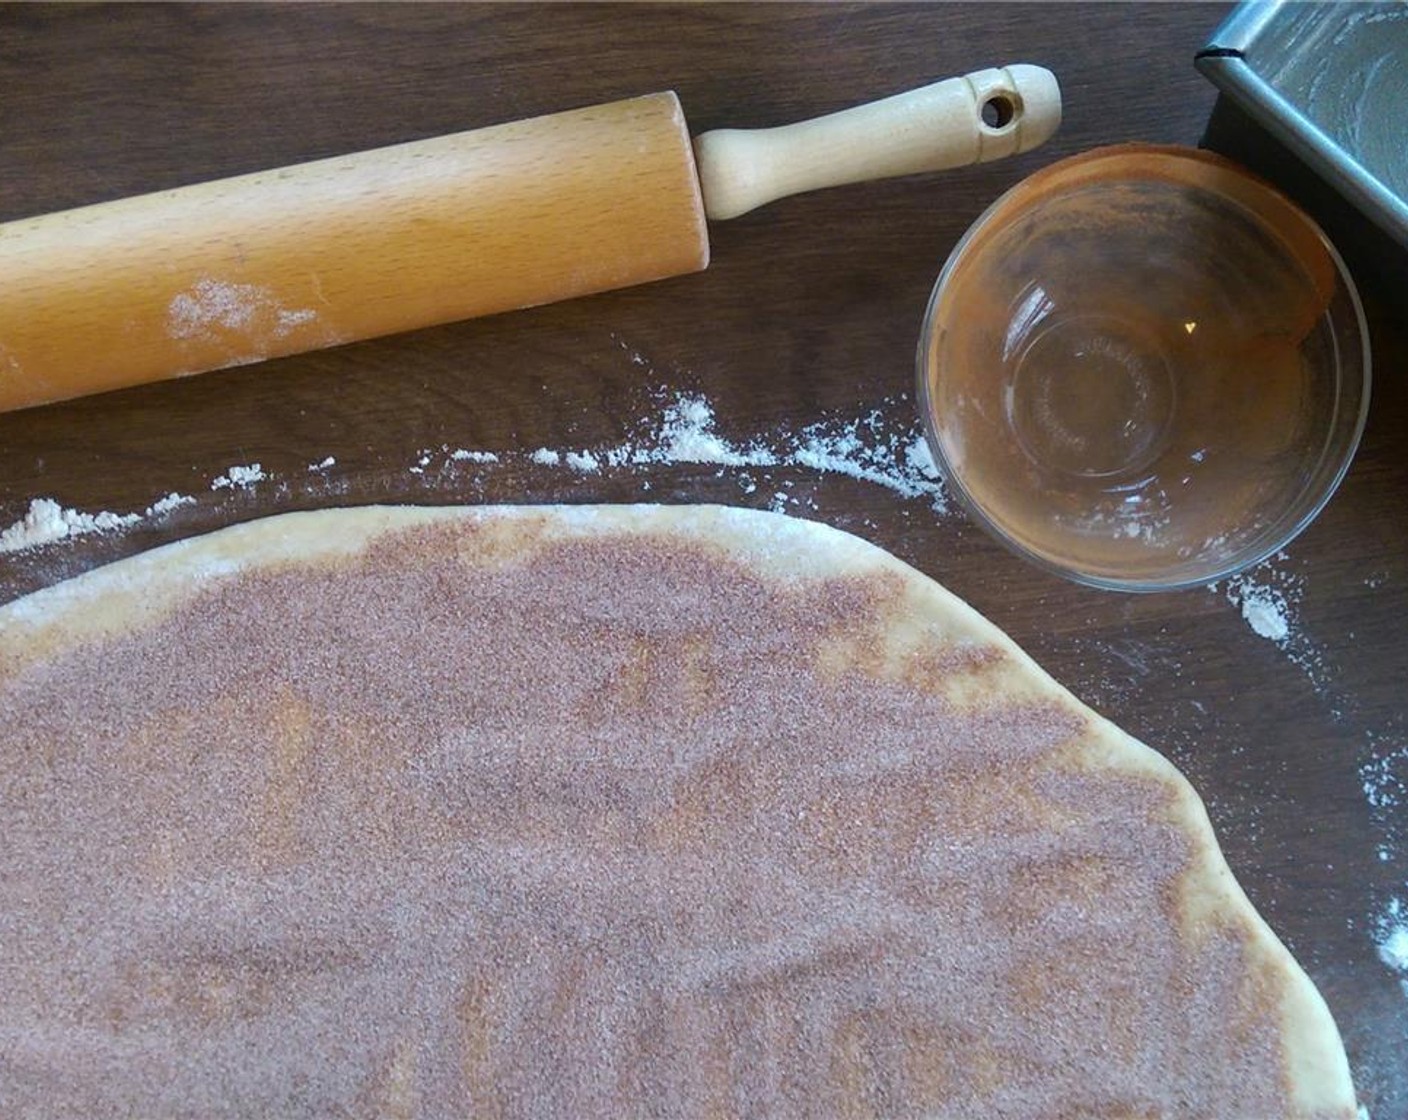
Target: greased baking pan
1331 82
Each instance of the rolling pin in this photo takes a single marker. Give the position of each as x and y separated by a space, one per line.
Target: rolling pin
278 262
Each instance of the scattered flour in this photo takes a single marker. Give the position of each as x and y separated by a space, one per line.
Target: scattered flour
1268 597
583 461
211 308
875 448
687 436
239 476
168 503
1391 940
458 455
920 458
290 319
867 449
1385 777
212 304
1385 784
1265 613
637 358
46 521
872 449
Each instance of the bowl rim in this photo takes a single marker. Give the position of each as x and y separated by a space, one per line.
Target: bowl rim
1151 157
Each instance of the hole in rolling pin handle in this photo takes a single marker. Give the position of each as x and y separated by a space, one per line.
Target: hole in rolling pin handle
999 111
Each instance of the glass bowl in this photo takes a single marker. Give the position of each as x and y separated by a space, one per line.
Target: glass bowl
1144 369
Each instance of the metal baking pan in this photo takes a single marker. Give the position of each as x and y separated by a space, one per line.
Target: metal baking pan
1331 82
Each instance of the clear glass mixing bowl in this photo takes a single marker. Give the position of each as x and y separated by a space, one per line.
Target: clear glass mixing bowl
1144 369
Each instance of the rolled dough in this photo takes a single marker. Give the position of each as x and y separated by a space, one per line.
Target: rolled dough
600 811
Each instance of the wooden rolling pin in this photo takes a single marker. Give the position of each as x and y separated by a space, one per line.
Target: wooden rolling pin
243 269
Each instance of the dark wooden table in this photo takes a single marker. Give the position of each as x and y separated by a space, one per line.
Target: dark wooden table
810 310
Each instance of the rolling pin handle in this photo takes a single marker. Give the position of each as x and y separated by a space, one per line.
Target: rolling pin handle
970 119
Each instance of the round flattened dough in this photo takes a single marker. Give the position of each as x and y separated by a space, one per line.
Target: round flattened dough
600 811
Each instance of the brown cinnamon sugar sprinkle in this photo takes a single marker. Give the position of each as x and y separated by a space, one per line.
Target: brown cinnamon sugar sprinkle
580 835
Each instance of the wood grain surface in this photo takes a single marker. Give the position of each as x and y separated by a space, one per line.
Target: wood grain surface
810 310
